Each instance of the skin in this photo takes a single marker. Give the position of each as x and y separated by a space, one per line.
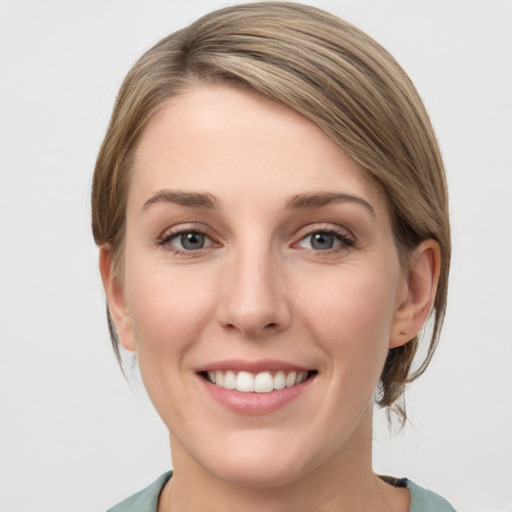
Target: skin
258 289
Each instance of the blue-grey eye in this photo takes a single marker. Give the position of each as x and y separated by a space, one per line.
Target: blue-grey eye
322 241
192 241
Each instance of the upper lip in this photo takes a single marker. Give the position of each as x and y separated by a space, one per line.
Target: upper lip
258 366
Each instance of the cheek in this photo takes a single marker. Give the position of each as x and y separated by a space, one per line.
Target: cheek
351 314
168 311
167 308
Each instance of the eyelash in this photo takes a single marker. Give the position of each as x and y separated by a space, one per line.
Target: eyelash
165 239
340 234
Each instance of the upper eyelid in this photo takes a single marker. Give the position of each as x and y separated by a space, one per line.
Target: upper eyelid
173 235
178 229
325 227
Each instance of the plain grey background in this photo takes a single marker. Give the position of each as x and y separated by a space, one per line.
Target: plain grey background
73 434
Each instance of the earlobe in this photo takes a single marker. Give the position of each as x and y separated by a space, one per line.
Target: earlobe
420 292
116 298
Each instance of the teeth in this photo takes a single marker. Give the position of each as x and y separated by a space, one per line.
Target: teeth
263 382
230 380
301 376
290 379
244 382
279 380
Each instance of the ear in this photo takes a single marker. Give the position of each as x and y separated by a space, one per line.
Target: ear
116 299
418 294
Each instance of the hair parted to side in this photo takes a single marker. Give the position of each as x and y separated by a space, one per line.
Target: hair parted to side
330 72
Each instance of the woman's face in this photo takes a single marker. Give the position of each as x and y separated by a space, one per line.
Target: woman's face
257 255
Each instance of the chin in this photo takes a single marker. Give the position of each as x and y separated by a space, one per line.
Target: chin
260 473
264 462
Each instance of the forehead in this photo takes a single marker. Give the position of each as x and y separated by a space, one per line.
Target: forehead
229 142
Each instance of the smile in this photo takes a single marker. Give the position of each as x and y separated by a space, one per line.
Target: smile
257 387
262 382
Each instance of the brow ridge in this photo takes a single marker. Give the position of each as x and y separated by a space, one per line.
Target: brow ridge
193 199
317 200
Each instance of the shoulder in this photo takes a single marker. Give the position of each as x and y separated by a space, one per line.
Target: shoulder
423 500
145 500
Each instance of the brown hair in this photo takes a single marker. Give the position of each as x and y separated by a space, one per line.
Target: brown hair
330 72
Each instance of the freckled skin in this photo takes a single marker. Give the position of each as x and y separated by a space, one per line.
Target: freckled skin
258 289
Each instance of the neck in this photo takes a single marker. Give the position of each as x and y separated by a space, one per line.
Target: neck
344 482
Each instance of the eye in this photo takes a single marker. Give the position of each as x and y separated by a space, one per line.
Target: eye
187 241
325 240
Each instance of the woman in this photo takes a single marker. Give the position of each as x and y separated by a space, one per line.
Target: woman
271 210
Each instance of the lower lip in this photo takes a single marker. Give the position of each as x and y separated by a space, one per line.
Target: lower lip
255 403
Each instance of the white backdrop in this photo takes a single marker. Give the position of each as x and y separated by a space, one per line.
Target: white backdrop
73 434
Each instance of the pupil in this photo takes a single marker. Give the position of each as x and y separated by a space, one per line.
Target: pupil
322 241
191 241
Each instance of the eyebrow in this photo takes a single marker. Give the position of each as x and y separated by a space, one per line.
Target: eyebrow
193 199
298 202
307 201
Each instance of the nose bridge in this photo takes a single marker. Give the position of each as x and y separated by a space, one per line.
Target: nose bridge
254 300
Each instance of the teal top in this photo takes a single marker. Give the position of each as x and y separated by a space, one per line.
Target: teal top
146 500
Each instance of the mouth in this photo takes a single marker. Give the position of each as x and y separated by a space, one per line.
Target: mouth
261 382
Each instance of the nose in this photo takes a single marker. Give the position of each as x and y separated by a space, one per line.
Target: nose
254 299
